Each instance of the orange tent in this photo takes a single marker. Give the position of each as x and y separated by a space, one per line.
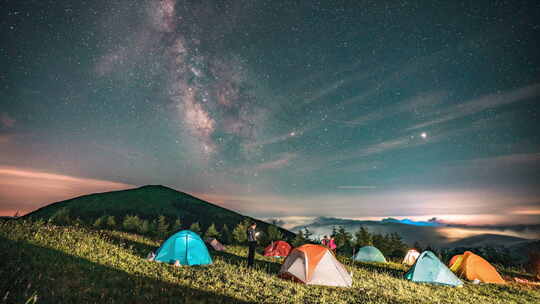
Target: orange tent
455 262
315 265
278 249
454 259
474 267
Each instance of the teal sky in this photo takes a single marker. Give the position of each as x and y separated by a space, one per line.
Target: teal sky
356 109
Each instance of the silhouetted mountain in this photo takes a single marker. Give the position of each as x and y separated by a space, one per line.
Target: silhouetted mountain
149 202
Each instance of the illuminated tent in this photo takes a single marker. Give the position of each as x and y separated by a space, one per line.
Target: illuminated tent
473 267
429 269
369 254
410 257
315 265
185 248
278 249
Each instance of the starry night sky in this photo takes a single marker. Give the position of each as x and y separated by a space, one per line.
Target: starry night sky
355 109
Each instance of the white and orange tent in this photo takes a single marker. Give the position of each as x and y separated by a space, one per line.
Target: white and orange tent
315 265
410 257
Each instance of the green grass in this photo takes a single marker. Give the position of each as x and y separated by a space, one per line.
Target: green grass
75 265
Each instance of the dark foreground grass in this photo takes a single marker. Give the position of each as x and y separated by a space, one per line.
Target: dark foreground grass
53 264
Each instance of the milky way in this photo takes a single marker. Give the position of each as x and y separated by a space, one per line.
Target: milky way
278 108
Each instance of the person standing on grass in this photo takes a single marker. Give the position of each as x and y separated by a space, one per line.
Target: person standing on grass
325 241
252 241
332 244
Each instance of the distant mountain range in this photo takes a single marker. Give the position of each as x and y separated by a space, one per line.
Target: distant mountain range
488 240
431 232
149 202
431 223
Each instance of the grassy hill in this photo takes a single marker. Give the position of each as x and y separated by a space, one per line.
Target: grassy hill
73 265
149 202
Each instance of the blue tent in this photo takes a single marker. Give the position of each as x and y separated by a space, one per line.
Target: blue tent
369 254
429 269
186 247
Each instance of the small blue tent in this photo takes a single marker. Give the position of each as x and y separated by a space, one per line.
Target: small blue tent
186 247
429 269
369 254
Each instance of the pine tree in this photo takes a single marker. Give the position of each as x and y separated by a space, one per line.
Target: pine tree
131 223
299 239
99 222
379 242
273 233
397 248
162 226
363 237
153 227
307 234
195 228
226 236
177 226
211 232
145 227
111 222
342 237
61 217
78 222
239 232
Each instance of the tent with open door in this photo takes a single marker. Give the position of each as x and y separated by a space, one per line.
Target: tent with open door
410 257
473 267
185 248
315 265
429 269
369 254
278 249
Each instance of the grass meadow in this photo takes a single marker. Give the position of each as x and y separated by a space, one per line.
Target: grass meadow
43 263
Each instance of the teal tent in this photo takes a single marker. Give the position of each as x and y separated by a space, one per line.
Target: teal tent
369 254
186 247
429 269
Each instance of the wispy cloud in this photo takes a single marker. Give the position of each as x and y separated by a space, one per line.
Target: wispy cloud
483 103
281 162
27 189
412 105
290 135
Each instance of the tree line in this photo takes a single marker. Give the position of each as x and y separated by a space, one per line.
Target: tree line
162 227
391 245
